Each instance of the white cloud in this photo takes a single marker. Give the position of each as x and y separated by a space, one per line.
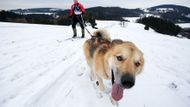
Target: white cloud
12 4
134 3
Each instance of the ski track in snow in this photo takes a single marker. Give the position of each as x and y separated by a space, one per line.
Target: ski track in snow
41 67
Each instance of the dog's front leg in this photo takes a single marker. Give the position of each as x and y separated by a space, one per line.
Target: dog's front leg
100 83
99 87
92 75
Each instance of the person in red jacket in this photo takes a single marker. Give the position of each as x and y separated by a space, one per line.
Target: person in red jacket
76 12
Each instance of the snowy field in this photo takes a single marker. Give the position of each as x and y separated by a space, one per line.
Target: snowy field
41 67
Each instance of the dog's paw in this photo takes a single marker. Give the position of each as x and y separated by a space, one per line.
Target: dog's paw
114 102
98 92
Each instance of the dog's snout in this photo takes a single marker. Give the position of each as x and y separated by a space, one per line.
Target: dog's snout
127 81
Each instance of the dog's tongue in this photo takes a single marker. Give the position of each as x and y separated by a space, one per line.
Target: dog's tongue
117 92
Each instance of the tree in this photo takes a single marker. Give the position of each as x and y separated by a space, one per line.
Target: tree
161 25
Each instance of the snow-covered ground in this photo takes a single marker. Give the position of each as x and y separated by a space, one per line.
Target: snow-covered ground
40 67
131 19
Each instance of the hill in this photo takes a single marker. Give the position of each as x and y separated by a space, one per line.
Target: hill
48 11
174 13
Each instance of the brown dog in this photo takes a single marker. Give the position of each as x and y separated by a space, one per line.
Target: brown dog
117 60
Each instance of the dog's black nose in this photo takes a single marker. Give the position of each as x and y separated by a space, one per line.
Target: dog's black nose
127 81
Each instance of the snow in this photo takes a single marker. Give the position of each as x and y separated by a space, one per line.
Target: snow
55 9
188 15
41 67
46 13
184 25
131 19
146 10
164 10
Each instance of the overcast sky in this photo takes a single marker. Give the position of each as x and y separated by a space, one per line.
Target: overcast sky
65 4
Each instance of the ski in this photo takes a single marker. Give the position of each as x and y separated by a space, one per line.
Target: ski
73 39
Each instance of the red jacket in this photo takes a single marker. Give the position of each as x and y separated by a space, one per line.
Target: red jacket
81 7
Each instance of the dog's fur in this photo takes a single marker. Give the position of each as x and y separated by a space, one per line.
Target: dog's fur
121 57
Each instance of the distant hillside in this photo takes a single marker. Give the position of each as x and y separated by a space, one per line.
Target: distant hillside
114 12
178 8
7 16
174 13
37 11
109 13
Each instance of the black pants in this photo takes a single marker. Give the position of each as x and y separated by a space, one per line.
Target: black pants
75 20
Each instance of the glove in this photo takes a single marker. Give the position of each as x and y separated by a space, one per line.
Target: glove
71 16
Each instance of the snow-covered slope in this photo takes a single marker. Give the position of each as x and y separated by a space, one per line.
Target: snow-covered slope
41 67
184 25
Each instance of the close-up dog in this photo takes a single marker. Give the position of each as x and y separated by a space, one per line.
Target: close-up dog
115 60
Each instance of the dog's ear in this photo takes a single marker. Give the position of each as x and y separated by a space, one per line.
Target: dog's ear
116 42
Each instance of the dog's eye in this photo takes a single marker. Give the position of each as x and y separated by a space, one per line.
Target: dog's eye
137 64
119 58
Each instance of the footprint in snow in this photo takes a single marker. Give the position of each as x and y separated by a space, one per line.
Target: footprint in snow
59 41
173 85
65 58
80 74
5 54
14 56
